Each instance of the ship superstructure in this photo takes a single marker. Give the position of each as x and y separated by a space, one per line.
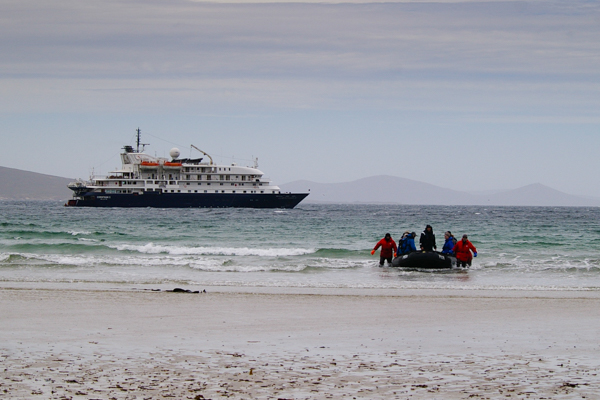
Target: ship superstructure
147 181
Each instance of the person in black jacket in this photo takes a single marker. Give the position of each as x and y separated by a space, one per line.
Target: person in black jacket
427 240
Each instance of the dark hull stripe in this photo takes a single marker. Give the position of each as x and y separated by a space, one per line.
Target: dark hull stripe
189 200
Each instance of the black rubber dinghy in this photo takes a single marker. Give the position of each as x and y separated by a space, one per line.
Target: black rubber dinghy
424 260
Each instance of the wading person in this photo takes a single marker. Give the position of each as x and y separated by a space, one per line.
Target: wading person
388 248
463 250
427 240
407 243
449 243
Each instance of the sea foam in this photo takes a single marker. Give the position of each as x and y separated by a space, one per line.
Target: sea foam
151 248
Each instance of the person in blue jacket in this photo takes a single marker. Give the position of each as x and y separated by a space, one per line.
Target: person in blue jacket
449 243
407 243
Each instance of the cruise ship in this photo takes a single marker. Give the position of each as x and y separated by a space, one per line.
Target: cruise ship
148 181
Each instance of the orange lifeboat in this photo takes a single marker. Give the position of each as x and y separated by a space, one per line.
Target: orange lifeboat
172 164
149 164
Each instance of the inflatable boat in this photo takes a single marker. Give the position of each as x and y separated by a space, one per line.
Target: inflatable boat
424 260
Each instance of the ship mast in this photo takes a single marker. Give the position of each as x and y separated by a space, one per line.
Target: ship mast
139 134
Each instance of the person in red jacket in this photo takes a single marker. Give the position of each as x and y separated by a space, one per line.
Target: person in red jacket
388 249
463 249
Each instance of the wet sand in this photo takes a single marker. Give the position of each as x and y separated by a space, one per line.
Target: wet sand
420 344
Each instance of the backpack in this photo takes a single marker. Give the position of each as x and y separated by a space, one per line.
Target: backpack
404 249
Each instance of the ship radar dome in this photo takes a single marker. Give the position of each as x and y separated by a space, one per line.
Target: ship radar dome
174 153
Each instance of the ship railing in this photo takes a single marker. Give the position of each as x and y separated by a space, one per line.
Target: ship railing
78 183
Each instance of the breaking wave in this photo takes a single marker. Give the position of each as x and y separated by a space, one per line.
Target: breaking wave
152 248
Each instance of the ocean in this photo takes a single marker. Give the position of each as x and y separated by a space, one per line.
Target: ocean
44 244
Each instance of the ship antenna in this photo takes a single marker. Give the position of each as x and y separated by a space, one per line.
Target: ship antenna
139 134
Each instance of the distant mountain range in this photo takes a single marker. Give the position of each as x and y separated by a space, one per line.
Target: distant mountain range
17 184
395 190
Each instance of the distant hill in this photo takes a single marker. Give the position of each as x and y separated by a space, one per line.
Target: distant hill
395 190
16 184
539 195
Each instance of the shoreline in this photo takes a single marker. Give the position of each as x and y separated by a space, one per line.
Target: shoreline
416 344
589 293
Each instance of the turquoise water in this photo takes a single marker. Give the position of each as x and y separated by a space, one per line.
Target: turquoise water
321 246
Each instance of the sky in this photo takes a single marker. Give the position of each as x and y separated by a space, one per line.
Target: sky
468 95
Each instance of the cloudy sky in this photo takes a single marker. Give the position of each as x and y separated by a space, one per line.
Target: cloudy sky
470 95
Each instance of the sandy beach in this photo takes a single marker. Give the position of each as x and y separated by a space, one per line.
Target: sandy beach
418 344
